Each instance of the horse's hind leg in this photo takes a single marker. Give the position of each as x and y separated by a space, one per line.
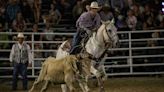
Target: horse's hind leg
45 86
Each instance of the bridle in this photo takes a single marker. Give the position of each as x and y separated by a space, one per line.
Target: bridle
110 38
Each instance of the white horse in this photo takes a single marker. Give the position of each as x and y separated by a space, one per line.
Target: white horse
106 37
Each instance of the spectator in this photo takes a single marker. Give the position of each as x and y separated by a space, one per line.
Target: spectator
46 18
48 36
77 10
155 5
58 5
102 2
27 12
2 17
116 13
159 18
117 4
37 9
87 7
31 3
65 4
138 14
121 24
54 14
149 24
131 20
3 3
20 57
3 37
11 11
106 13
147 12
153 43
19 24
37 54
37 37
161 26
129 3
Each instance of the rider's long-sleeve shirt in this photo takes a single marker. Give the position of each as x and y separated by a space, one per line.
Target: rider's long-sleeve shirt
86 20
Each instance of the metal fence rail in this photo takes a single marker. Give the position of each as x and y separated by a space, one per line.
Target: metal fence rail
133 57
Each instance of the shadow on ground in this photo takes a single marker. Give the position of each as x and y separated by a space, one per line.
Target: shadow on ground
130 84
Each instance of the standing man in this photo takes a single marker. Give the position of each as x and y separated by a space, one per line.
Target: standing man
20 57
87 23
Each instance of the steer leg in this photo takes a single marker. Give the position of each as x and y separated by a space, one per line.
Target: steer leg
45 86
69 79
71 87
64 88
34 85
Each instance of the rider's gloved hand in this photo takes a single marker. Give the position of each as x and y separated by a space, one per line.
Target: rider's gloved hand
94 30
89 32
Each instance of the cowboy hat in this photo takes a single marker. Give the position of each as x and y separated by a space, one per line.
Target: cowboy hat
94 5
20 35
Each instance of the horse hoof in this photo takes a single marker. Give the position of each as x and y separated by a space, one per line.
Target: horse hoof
95 83
102 90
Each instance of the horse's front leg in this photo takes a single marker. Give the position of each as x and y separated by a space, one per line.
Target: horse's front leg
98 76
101 69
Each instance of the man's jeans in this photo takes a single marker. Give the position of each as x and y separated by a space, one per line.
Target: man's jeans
21 69
76 40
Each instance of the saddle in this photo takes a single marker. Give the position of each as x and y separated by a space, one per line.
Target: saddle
81 46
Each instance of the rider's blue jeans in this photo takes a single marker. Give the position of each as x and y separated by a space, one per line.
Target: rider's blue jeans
76 41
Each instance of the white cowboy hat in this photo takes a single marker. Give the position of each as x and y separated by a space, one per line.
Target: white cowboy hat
94 5
20 35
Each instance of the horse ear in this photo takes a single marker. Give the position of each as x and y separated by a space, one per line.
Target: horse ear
112 21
